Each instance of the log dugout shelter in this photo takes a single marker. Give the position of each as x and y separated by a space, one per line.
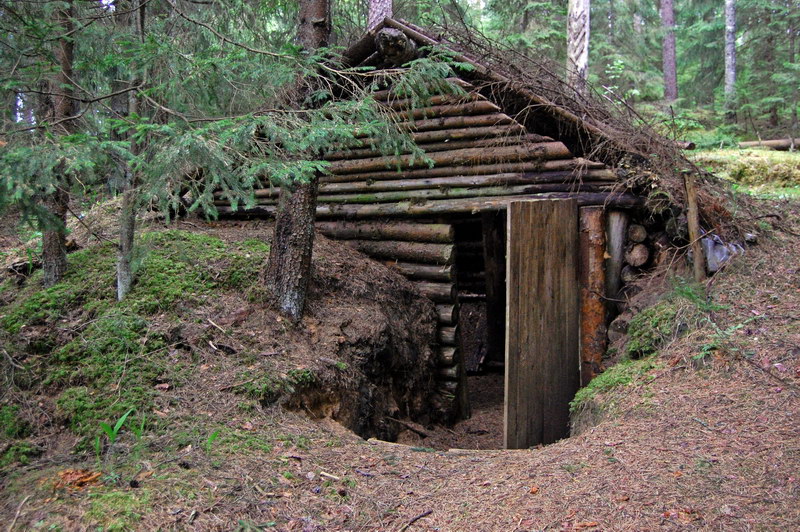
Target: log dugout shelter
506 233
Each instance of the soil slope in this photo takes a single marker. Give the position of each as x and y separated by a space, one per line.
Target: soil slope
702 435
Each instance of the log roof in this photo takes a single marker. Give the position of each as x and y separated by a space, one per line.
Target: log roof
548 107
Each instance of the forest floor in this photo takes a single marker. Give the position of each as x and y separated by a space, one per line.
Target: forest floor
704 435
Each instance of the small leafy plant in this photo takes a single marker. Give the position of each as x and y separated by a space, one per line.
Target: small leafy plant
211 439
113 432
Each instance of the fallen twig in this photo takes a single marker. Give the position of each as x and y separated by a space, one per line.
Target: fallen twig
426 513
409 426
12 361
16 516
328 475
228 387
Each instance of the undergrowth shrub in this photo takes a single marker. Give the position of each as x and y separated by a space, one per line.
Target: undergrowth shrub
753 167
11 425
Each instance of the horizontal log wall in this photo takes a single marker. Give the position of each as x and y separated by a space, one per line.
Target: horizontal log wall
477 160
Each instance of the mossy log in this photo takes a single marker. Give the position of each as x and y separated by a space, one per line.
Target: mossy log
445 145
423 272
775 144
441 193
467 156
463 170
405 251
392 94
565 176
445 207
413 232
442 135
458 109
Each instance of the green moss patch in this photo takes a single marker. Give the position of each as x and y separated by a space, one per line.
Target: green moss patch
100 358
620 375
11 425
753 167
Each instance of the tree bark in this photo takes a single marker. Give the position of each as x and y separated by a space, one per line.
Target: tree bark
730 61
288 269
578 44
592 247
127 219
793 128
668 51
378 10
61 107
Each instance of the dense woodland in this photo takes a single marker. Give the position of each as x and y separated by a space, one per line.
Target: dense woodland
155 99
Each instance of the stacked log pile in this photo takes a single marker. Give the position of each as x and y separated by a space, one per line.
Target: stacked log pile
631 248
425 254
477 159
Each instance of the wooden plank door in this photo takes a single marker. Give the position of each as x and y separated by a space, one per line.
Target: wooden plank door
542 358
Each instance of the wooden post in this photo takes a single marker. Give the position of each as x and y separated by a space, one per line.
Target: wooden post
616 229
542 360
592 280
693 220
494 258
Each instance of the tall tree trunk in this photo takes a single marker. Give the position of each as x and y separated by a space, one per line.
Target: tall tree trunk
668 51
730 61
127 217
288 269
378 10
578 44
768 67
793 132
54 250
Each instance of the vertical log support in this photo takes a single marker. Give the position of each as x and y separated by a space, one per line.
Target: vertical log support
494 258
693 220
616 230
592 282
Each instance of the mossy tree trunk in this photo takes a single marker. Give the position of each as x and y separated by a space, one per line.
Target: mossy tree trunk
288 269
